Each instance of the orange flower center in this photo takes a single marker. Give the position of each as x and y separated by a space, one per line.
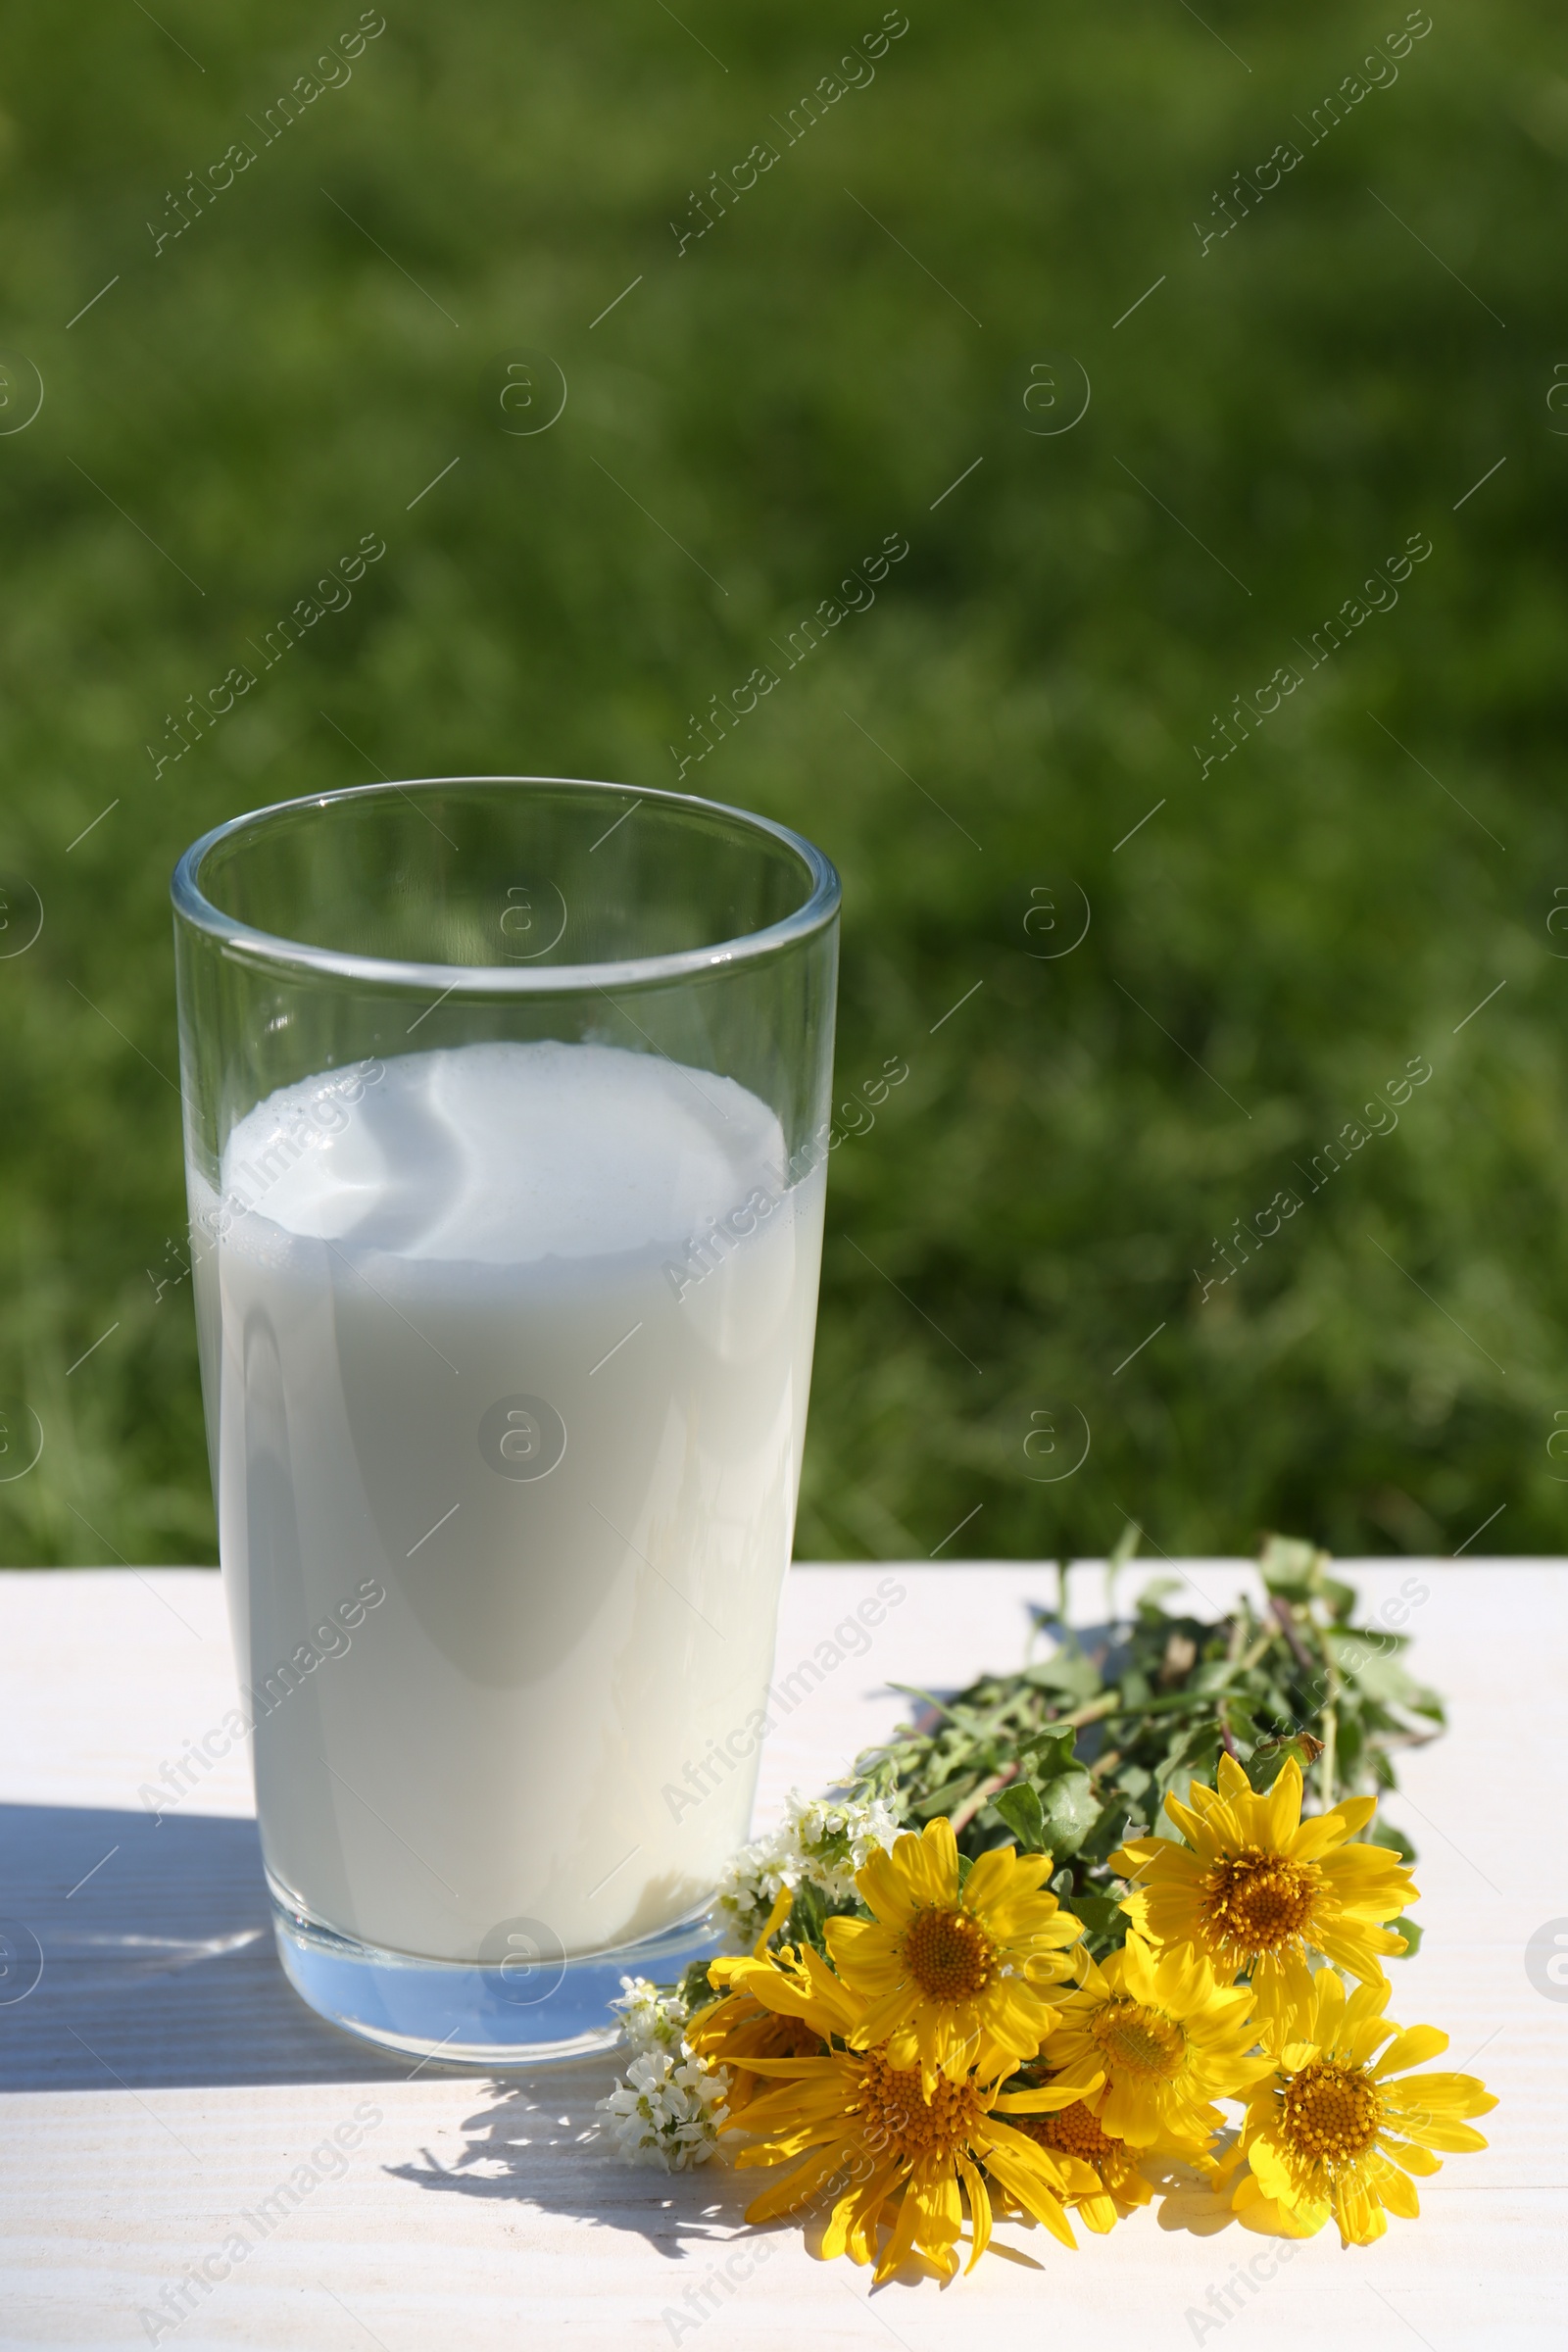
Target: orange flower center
791 2038
899 2121
1256 1901
771 2035
949 1954
738 2027
1329 2114
1134 2040
1074 2132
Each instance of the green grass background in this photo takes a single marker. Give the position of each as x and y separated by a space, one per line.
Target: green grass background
1295 924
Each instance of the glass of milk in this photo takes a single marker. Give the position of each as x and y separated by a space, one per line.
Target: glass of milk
506 1125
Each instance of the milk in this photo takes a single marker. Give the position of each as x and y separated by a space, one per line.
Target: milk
466 1352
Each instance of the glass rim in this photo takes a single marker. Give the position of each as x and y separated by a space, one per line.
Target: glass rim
192 906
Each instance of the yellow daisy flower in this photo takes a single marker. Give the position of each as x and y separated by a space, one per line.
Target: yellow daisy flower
961 1968
1077 2131
1166 2037
1334 2128
795 1985
878 2150
1254 1888
737 2028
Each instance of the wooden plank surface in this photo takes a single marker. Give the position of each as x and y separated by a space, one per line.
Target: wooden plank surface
162 2083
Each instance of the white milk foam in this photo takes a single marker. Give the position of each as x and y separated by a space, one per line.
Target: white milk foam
451 1360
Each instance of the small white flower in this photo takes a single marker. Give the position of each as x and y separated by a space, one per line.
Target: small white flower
651 2020
820 1843
668 2109
747 1886
833 1840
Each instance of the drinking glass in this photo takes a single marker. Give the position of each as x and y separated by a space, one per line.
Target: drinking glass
506 1130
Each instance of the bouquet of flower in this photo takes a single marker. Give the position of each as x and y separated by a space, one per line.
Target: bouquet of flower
940 2024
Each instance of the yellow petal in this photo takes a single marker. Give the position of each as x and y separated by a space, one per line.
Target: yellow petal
861 1938
884 1886
1190 1824
1358 1949
979 2208
1409 2157
1047 2100
1136 1855
1268 2219
1097 2213
793 2193
820 1999
1396 2188
1124 2113
1284 1806
1022 2181
1017 2017
853 2226
989 1880
1270 2169
1439 2132
1317 1838
802 2071
906 2230
1360 2216
1448 2094
1360 1861
934 2040
880 2020
1413 2048
1283 1990
933 1867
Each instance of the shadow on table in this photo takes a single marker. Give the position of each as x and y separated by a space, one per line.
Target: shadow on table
148 1949
541 2143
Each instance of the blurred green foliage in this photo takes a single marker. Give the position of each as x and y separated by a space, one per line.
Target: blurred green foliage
1275 943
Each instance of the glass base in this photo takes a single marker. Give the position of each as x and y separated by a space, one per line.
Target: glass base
525 2008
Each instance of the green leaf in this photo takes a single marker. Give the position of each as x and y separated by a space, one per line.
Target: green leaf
1411 1930
1194 1755
1069 1671
1070 1808
1241 1721
944 1799
1110 1828
1051 1751
1020 1808
807 1913
1096 1911
695 1991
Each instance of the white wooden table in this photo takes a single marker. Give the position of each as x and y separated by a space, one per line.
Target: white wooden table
162 2080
